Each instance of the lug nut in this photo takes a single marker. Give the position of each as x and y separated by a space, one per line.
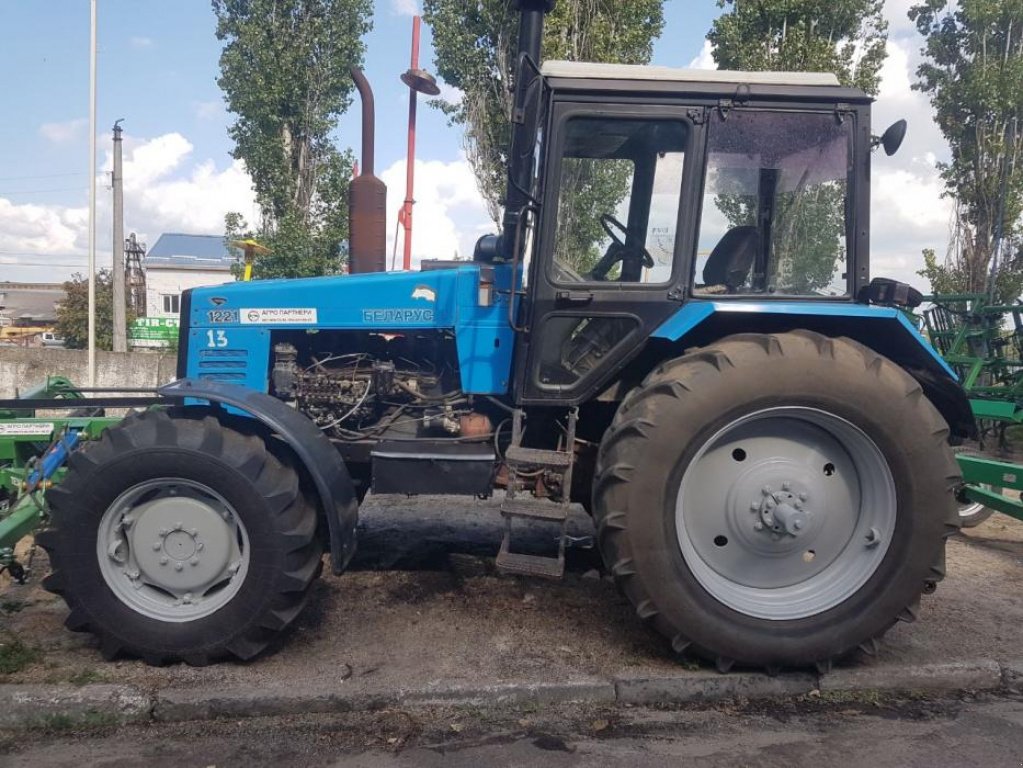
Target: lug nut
199 546
179 566
758 526
767 490
194 561
804 496
156 546
786 486
164 560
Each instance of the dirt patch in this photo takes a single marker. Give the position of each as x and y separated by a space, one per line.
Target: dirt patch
459 623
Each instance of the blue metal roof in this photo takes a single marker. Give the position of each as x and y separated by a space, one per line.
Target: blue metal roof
178 251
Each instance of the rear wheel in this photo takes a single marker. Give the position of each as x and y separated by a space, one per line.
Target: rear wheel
177 538
776 500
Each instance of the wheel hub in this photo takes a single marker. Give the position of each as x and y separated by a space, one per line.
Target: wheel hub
785 512
781 512
194 550
172 549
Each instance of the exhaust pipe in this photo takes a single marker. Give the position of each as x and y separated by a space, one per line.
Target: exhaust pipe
520 155
367 196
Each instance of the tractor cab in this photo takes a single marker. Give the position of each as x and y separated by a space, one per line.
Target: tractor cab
655 187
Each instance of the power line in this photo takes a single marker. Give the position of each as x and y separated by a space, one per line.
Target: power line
40 191
41 176
80 264
30 255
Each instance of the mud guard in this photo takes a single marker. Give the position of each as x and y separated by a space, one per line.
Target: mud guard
317 454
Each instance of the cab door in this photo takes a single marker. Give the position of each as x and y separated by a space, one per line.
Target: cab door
615 244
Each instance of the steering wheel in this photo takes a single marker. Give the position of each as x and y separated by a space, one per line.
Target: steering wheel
618 250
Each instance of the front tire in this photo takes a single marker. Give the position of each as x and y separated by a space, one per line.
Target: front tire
776 500
175 538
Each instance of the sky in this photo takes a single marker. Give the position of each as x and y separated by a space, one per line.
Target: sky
157 69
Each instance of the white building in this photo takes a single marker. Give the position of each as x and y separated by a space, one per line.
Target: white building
178 262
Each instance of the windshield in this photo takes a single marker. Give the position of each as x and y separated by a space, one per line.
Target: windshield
774 205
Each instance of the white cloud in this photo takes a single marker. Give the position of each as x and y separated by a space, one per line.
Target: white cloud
64 132
449 93
449 215
140 42
405 7
705 60
165 190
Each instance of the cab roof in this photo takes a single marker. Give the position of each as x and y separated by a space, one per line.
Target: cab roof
590 71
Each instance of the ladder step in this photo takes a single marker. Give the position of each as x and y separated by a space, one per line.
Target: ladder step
529 565
535 509
516 454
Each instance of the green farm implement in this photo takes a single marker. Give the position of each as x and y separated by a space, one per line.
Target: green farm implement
33 450
983 342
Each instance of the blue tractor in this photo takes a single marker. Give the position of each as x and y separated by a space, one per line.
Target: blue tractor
676 328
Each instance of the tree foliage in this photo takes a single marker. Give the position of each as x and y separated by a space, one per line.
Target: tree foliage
846 37
973 73
284 71
475 43
73 312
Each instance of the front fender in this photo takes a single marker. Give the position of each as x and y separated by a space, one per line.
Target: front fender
318 455
886 330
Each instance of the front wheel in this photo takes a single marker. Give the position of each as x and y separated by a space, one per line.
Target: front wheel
176 538
776 500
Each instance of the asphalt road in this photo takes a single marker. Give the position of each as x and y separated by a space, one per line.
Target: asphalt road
986 733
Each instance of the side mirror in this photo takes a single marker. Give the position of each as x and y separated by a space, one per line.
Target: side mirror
892 139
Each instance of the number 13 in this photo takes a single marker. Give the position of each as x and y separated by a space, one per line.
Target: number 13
216 339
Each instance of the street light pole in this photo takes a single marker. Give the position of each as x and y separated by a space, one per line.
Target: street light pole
92 194
418 81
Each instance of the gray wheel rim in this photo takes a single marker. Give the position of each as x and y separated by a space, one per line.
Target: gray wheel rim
786 512
172 549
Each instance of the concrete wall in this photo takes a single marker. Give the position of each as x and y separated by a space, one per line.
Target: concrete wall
22 369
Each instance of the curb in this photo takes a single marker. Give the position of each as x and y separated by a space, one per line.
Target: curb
65 706
54 706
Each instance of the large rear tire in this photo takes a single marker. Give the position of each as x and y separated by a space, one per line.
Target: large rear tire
776 500
175 538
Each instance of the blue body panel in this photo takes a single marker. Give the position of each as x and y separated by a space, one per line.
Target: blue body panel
230 325
696 312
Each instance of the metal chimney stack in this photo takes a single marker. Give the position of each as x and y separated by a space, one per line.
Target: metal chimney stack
367 202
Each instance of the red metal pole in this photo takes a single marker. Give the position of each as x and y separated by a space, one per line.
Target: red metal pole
410 163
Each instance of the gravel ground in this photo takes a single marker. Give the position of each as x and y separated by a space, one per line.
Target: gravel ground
423 606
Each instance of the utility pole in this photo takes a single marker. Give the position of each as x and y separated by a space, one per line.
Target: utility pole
120 322
92 193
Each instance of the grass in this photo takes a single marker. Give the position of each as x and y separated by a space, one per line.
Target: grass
86 676
61 723
15 655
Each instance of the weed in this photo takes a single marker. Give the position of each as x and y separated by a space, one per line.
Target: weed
15 655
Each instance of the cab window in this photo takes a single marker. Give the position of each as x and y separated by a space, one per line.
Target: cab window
775 204
618 200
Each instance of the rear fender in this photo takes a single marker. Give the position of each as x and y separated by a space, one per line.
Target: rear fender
886 330
334 488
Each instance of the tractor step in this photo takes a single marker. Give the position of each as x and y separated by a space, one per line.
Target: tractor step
535 509
535 457
529 565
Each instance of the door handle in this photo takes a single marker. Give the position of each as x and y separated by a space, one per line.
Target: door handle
574 297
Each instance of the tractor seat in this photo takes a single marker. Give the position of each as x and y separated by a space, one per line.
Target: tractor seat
731 260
